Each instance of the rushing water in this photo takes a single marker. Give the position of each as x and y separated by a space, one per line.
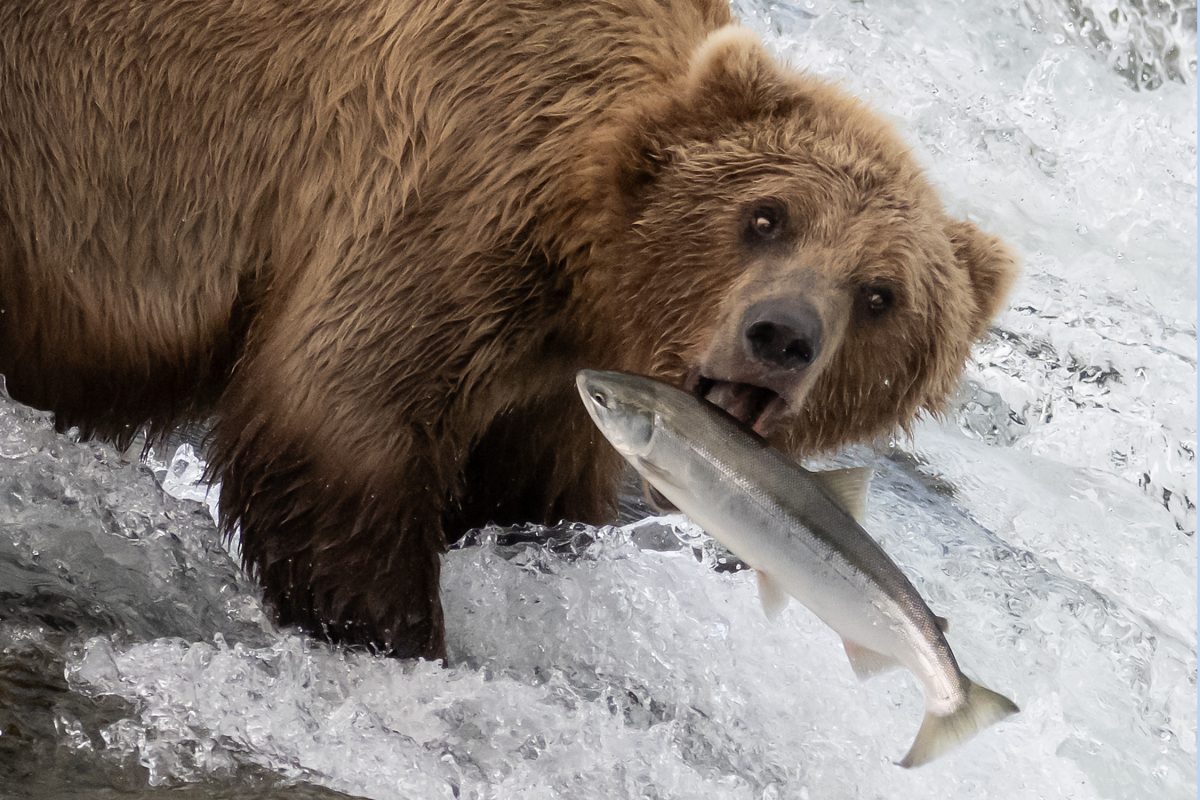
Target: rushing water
1051 516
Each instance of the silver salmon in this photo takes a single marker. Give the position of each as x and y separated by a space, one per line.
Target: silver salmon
799 530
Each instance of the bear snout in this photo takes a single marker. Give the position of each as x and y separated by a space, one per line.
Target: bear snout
782 333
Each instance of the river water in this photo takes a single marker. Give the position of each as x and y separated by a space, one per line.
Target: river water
1050 515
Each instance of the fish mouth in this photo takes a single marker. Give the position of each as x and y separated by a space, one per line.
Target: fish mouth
758 408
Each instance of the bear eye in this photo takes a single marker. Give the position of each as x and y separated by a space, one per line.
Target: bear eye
877 300
766 221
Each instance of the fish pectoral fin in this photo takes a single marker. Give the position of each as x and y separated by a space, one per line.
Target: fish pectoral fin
865 662
656 478
849 488
656 499
771 594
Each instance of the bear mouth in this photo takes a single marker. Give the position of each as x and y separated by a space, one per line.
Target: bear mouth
756 407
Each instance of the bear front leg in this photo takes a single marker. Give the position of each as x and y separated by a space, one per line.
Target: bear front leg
342 552
337 448
343 435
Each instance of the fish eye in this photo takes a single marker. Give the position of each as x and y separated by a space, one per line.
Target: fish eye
601 398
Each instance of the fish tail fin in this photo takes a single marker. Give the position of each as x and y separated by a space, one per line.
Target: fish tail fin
940 733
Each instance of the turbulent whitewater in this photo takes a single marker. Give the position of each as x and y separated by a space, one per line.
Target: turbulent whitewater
1051 515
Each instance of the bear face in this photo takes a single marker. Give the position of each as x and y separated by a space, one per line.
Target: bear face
803 273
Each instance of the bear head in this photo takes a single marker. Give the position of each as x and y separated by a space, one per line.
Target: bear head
769 243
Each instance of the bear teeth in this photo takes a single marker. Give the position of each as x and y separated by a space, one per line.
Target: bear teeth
751 405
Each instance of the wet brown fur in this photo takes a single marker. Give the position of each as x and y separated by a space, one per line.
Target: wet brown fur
375 238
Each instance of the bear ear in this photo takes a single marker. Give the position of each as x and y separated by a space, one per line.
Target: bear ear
991 269
732 74
730 78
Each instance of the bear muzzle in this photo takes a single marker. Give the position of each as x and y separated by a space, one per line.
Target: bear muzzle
762 362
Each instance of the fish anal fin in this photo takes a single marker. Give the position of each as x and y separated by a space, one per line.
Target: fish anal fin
848 487
771 594
866 662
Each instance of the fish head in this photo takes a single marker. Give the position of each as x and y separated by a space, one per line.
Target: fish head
622 406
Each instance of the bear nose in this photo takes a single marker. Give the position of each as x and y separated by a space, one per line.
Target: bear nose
782 333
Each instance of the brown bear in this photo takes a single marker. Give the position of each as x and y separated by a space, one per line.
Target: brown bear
374 239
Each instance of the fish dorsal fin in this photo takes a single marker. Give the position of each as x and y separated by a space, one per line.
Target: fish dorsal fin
848 487
866 662
942 623
773 598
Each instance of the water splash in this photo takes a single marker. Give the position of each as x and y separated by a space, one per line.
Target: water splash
1051 517
1146 42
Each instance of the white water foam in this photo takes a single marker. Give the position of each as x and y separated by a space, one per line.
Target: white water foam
1051 517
